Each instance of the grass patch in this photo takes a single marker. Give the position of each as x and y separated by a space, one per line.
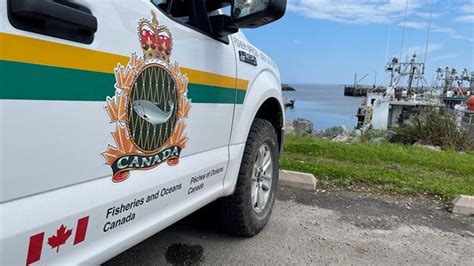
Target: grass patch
401 169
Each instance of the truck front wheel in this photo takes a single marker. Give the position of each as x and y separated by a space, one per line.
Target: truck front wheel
248 210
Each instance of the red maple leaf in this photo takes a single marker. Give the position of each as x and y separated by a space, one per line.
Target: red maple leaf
60 238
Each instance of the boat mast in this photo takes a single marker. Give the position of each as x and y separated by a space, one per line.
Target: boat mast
404 29
411 75
429 34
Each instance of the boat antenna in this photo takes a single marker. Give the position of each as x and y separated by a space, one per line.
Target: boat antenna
388 42
429 33
404 28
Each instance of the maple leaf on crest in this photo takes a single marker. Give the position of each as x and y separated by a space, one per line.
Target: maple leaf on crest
60 238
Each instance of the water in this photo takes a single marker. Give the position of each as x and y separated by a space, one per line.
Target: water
324 105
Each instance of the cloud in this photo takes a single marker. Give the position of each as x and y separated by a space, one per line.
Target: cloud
467 11
420 50
354 11
427 15
465 18
383 12
451 33
467 8
435 28
414 25
446 56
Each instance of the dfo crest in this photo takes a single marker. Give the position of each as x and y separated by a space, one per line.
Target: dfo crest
149 106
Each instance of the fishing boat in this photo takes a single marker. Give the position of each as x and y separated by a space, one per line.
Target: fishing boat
467 117
453 86
407 95
288 103
457 94
401 102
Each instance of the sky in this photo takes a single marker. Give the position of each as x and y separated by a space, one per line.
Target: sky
327 41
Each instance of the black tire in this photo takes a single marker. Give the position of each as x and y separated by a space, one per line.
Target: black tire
236 212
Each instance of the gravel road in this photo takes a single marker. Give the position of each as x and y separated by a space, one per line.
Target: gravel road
321 228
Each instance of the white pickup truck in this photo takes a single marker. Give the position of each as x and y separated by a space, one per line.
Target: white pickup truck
119 118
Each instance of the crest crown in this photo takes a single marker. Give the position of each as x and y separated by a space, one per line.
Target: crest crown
156 40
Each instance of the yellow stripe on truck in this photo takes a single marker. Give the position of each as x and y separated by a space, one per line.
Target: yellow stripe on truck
22 49
28 50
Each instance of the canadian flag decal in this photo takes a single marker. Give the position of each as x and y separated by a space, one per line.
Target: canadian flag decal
60 237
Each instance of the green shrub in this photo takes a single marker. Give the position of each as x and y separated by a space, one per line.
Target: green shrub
438 129
372 134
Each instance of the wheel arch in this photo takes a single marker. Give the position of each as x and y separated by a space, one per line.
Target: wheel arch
271 110
262 100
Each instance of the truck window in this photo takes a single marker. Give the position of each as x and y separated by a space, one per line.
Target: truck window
191 12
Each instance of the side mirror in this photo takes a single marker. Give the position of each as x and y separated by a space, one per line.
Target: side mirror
256 13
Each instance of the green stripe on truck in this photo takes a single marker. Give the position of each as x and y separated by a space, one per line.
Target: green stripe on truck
22 81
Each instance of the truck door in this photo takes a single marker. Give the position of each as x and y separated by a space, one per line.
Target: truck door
210 65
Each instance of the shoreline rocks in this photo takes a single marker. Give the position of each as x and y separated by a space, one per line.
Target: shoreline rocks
341 134
304 127
428 147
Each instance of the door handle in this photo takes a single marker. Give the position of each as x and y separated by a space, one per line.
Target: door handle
60 18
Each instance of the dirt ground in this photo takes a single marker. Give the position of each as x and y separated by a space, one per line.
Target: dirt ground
326 227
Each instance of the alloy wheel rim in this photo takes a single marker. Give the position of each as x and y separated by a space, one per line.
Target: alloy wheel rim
262 176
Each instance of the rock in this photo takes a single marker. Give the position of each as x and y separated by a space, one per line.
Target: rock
341 138
428 147
289 129
318 133
463 205
303 127
333 132
356 133
378 140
